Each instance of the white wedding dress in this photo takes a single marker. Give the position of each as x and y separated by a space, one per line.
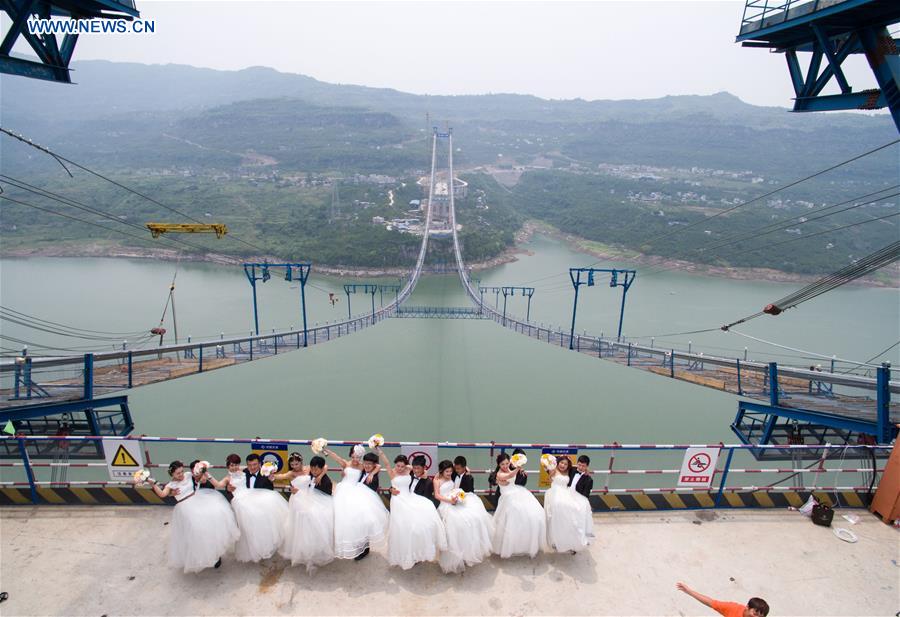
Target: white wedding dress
416 530
309 529
203 527
469 531
570 524
360 518
261 514
520 527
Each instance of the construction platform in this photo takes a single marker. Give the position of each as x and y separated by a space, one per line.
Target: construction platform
101 560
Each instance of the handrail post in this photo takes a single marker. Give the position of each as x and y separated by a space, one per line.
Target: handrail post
130 368
740 390
200 360
28 471
773 384
672 363
724 478
28 377
884 402
88 376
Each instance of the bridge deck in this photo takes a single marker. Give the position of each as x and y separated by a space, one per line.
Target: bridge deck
114 563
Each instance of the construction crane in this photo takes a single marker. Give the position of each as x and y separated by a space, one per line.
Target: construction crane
157 229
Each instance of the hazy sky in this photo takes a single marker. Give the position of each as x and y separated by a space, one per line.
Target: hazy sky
591 50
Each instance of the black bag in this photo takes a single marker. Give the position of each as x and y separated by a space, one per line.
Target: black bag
822 515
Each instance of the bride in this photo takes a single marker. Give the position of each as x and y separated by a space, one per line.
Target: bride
309 531
570 524
519 524
416 531
469 526
360 518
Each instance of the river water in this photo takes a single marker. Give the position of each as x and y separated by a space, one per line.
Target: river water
436 380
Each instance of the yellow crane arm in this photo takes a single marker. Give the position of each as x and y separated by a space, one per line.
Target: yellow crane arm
157 229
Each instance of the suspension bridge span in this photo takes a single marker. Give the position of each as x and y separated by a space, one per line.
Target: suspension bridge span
830 405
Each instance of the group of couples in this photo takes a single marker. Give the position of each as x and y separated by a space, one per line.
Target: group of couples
322 521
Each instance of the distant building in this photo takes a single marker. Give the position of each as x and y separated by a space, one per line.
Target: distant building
378 220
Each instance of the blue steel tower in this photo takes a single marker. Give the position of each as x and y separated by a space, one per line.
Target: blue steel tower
829 30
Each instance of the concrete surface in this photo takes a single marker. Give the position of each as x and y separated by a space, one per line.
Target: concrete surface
98 560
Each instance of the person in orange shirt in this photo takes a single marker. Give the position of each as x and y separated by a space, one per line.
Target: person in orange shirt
755 607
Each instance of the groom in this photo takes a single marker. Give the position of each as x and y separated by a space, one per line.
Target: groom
252 474
580 479
419 482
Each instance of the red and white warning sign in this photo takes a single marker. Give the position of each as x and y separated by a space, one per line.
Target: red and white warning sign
698 467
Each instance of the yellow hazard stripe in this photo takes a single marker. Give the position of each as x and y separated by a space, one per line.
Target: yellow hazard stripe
734 500
83 495
675 501
117 495
763 499
852 499
612 502
644 501
15 495
705 500
793 499
148 495
49 495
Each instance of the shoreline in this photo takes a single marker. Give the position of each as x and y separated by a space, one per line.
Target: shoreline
529 229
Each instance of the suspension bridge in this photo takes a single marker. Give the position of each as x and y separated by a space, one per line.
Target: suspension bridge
779 401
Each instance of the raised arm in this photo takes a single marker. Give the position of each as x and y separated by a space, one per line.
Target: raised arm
387 463
699 597
506 476
342 462
163 492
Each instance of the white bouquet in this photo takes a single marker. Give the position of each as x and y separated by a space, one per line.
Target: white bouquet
141 475
268 468
376 440
458 493
359 450
548 461
519 460
200 468
318 445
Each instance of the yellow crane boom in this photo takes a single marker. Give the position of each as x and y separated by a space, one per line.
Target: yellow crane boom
157 229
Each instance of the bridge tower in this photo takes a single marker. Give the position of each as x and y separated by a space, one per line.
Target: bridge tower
829 30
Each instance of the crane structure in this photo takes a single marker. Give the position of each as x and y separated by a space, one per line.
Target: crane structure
829 30
53 55
158 229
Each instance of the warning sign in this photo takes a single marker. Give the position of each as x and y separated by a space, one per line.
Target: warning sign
429 452
271 452
123 458
698 467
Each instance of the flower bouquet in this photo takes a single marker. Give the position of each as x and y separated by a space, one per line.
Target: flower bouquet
200 468
548 461
376 440
141 476
318 445
268 468
458 493
519 460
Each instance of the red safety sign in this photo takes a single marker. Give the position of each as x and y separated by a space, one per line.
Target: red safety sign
698 467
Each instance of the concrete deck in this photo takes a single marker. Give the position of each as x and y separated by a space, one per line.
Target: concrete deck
98 560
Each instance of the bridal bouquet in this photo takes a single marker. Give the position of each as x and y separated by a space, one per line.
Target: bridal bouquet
548 461
458 493
318 445
268 468
141 475
200 468
519 460
376 440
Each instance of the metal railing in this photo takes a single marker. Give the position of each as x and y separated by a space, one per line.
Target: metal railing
625 465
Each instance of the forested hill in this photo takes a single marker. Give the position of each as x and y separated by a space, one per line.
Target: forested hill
263 151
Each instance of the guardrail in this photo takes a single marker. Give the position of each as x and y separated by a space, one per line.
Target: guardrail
619 470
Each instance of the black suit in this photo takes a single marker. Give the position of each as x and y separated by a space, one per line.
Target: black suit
585 483
467 483
374 484
425 488
325 485
522 478
261 480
